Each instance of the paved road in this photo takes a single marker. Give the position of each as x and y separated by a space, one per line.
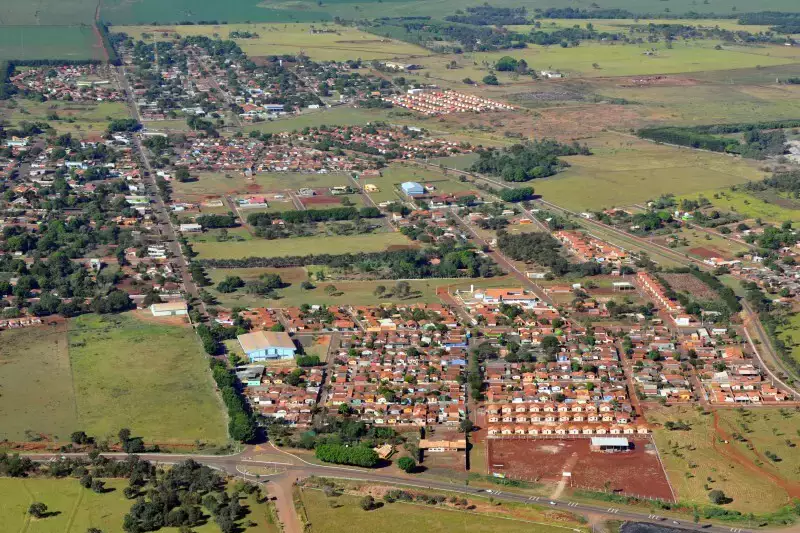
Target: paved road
165 226
296 468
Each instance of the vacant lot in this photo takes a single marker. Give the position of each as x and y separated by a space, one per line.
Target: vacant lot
403 517
690 284
301 246
77 509
767 431
149 377
331 42
76 118
626 171
693 456
749 206
36 392
215 184
49 42
635 472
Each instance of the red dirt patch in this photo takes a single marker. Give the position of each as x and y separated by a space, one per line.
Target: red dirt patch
636 472
705 253
320 200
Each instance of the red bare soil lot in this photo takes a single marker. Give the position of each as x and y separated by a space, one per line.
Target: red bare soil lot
636 472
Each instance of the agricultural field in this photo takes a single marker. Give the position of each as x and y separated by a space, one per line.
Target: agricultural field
49 42
693 456
751 206
132 371
37 396
156 12
625 170
336 43
770 431
302 246
402 517
78 119
50 13
76 509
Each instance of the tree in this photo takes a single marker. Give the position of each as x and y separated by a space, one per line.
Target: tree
379 291
37 510
551 345
490 79
718 497
79 437
465 425
98 486
124 434
86 481
367 503
407 464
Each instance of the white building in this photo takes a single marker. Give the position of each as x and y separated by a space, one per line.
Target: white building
176 308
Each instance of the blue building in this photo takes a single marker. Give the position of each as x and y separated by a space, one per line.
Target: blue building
267 345
412 188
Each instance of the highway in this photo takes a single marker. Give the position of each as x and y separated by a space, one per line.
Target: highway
296 468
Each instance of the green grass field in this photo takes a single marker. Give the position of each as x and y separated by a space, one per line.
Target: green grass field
277 39
747 205
154 11
61 12
775 430
341 115
78 119
791 335
49 42
301 246
690 458
146 376
402 517
77 509
352 292
36 389
625 170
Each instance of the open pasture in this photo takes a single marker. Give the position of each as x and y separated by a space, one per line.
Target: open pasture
693 456
637 471
625 170
320 42
120 12
399 517
75 509
36 390
751 206
215 184
48 13
144 375
377 242
49 42
341 115
78 119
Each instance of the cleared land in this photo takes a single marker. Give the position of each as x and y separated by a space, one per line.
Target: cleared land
637 472
49 42
302 246
143 375
403 517
77 509
693 456
214 184
625 170
36 392
331 42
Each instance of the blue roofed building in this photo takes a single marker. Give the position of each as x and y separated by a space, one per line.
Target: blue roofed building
412 188
267 345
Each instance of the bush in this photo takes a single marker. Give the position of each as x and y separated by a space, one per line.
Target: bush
344 455
367 503
37 509
407 464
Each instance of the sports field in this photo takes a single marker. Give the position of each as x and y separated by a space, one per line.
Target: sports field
144 375
693 456
49 42
320 42
76 509
302 246
626 170
398 517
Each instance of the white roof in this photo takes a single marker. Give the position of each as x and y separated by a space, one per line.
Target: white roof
610 441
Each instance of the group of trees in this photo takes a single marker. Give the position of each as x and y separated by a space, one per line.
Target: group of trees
314 215
524 162
519 194
347 455
543 249
241 423
217 221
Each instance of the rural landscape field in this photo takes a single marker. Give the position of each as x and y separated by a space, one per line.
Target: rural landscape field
291 266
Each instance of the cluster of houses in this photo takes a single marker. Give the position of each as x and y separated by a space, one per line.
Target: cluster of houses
587 248
282 393
72 83
434 102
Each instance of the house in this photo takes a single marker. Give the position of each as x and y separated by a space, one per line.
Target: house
411 188
176 308
551 74
263 345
